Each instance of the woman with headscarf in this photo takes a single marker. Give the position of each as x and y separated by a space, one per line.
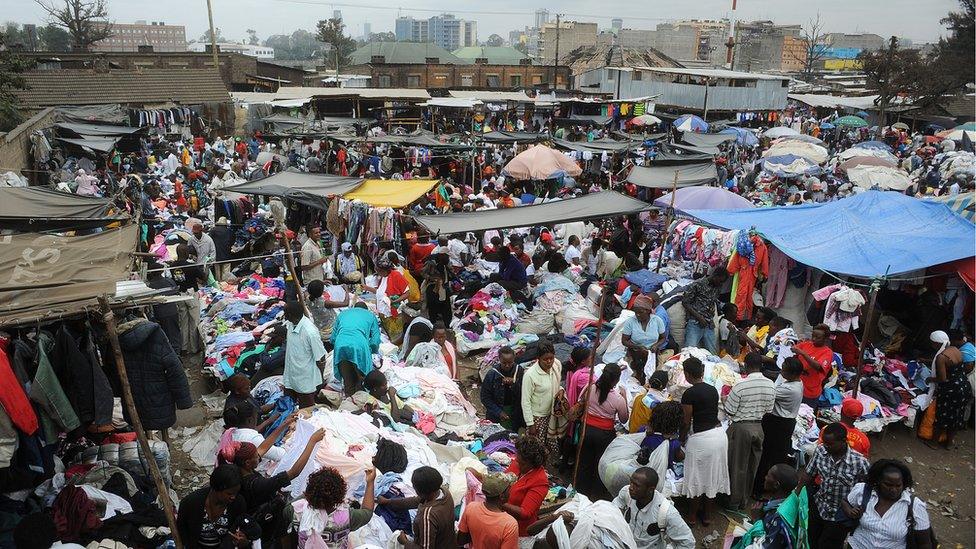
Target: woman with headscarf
952 392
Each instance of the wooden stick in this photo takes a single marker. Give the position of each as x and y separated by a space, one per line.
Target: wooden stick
113 336
596 345
667 224
291 268
868 326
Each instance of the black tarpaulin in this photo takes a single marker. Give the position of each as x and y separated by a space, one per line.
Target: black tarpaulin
98 144
310 189
705 140
98 130
591 206
39 209
665 157
597 146
512 137
662 177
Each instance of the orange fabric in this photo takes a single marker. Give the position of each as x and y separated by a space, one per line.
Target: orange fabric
749 275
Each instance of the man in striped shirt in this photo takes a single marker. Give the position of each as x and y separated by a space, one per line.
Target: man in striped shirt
748 401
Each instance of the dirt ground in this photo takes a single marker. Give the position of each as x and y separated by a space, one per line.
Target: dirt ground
944 479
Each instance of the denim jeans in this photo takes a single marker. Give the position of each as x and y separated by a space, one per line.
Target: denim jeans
698 336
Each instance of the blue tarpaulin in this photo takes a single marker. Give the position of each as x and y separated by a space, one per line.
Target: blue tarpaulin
865 235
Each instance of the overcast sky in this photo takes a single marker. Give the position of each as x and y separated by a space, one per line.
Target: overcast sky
914 19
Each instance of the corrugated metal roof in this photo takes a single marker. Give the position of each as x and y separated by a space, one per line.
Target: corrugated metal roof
715 73
489 96
500 55
89 87
404 53
300 92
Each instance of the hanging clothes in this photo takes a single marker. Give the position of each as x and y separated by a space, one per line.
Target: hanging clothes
780 265
13 399
748 271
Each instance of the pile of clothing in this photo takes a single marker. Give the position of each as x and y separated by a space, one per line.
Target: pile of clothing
490 321
238 322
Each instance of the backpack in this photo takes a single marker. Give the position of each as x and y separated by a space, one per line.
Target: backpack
910 542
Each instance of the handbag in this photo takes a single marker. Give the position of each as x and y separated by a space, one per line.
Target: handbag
910 541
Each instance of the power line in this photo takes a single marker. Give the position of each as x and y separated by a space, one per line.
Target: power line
464 12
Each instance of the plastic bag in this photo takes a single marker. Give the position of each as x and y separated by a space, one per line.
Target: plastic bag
619 461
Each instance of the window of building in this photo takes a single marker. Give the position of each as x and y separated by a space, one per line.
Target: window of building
536 80
467 80
494 81
384 81
516 80
611 75
413 80
637 76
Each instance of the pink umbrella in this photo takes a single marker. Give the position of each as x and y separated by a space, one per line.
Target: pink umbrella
540 162
866 161
705 198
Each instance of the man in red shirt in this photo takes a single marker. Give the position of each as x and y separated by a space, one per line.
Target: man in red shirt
817 357
418 253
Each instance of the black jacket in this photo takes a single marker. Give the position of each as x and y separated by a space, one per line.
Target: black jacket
155 373
82 377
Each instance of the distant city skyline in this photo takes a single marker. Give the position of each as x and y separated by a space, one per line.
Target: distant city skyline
918 21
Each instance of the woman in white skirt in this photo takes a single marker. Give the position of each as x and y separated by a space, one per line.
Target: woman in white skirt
706 446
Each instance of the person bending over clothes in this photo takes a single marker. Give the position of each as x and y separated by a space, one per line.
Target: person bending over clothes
265 501
661 446
355 337
379 399
240 424
324 517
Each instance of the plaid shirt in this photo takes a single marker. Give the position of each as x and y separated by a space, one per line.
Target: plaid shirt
837 478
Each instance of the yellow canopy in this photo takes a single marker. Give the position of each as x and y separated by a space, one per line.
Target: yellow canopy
391 193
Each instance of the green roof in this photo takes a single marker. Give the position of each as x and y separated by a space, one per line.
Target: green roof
497 55
405 53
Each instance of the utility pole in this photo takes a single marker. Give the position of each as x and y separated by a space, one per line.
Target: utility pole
213 38
555 62
730 43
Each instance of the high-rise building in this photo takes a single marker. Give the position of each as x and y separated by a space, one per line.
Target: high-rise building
129 37
445 30
763 46
616 24
337 14
541 18
861 41
367 30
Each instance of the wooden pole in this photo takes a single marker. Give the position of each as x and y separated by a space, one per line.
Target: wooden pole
109 317
291 268
868 326
596 345
667 224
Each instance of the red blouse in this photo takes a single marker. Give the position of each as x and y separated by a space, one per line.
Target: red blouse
528 492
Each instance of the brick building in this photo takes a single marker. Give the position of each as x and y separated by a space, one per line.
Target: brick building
239 72
476 75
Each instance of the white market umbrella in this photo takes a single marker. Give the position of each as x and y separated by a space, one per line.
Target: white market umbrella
780 131
881 177
813 153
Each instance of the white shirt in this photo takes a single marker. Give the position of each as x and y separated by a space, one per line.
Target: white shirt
310 254
275 453
789 395
677 533
888 531
455 249
572 253
954 189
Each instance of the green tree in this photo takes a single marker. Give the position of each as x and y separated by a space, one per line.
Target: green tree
54 38
299 45
252 37
387 36
85 20
12 68
205 37
891 71
332 32
495 41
